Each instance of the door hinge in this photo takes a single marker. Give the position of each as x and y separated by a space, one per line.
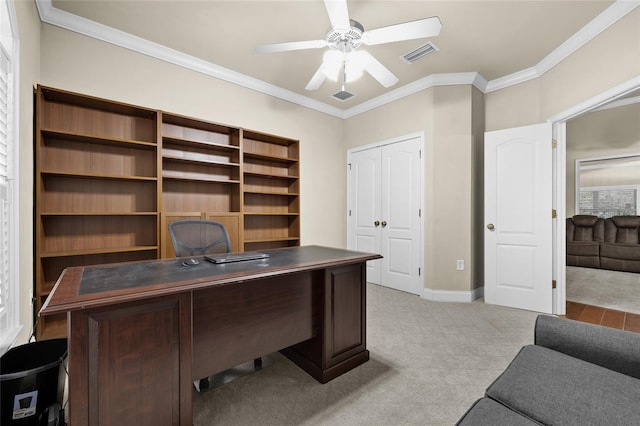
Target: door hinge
349 164
553 283
419 271
554 214
554 143
349 212
419 212
419 153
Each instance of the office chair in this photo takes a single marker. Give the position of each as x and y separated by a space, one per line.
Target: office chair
198 237
192 237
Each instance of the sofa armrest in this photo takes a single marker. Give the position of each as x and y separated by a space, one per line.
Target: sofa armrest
611 348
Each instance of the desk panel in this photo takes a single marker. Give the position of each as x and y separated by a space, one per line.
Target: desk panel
237 323
130 364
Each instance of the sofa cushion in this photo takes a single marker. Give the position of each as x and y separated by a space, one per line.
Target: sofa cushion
486 411
617 350
556 389
626 221
620 251
584 248
623 229
585 228
583 261
584 220
620 265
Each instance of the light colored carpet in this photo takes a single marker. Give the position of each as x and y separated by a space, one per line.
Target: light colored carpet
600 287
429 362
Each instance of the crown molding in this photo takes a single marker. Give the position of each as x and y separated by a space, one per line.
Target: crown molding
449 79
68 21
608 17
53 16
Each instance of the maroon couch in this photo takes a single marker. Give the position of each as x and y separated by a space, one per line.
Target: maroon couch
612 243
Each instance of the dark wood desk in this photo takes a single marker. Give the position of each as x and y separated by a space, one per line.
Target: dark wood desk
141 333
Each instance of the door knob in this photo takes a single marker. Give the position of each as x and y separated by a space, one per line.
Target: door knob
384 223
376 223
490 227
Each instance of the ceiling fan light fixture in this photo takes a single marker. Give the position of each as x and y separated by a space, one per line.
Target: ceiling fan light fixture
355 64
332 64
352 64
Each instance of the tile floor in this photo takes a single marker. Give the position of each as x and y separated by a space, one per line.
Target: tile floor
608 317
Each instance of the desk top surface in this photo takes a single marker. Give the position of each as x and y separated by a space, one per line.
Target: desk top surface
93 286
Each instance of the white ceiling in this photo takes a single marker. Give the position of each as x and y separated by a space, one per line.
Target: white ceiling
495 39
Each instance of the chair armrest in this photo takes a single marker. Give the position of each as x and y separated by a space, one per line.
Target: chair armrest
611 348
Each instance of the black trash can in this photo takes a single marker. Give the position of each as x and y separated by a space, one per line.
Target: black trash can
32 379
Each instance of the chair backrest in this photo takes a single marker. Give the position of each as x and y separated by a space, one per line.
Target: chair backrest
192 237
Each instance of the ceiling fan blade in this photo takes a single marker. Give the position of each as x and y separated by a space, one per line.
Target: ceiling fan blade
377 70
293 45
338 13
427 27
317 79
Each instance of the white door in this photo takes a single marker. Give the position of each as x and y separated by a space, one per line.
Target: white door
385 201
400 216
518 218
365 177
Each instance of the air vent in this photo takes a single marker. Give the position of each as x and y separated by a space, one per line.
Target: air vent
420 53
342 95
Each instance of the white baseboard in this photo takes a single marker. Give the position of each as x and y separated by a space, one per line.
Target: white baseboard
453 296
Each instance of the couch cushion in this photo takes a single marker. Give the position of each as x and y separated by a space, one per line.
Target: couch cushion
486 411
626 221
583 261
620 265
584 248
584 220
626 230
556 389
620 251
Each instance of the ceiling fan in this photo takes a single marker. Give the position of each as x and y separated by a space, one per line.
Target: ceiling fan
344 39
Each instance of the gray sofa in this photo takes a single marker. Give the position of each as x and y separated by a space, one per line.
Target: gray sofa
574 374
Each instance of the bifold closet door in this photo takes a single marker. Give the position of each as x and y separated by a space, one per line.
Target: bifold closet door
385 212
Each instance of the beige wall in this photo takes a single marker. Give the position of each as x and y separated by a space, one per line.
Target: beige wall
29 34
445 115
610 59
614 131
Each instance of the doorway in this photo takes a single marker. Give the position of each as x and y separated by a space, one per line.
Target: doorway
385 193
559 122
559 185
603 180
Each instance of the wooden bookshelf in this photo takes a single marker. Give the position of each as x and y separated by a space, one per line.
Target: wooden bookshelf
271 191
110 177
200 175
96 198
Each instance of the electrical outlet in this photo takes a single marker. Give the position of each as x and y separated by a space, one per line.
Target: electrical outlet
460 265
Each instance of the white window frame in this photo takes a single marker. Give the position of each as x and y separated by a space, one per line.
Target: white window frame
9 43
